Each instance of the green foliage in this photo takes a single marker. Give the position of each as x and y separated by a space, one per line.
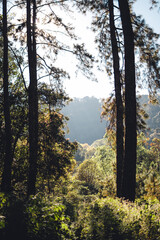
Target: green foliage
148 182
99 169
77 215
91 173
152 182
38 218
56 152
83 152
46 219
144 154
3 203
82 206
116 219
18 104
106 157
77 195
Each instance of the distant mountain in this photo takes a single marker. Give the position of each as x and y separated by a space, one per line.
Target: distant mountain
153 111
86 126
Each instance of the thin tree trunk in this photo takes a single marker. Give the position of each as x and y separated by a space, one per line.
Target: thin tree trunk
33 98
129 174
6 177
119 104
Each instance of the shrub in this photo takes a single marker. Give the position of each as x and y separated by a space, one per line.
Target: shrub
112 219
46 219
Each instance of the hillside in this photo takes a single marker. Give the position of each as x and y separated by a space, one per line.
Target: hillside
154 113
86 126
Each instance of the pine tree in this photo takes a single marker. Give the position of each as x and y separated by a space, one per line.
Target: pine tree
33 96
118 96
129 171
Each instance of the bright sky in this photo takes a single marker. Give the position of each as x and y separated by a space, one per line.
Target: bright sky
80 86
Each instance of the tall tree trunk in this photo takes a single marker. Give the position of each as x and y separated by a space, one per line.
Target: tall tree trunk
33 98
119 104
6 177
129 173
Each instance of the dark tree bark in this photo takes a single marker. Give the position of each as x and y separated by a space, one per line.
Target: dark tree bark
33 97
129 172
6 177
119 104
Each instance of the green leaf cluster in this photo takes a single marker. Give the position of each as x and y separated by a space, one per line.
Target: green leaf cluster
117 219
46 219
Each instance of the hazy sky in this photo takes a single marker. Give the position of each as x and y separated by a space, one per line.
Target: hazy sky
80 86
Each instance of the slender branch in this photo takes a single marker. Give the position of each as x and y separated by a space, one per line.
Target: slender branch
19 65
61 23
49 30
116 6
47 75
53 45
119 29
17 5
48 4
44 62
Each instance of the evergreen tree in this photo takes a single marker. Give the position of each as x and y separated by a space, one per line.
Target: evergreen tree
137 36
129 171
33 97
118 96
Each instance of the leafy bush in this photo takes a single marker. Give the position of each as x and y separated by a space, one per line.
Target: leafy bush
46 219
38 218
91 173
117 219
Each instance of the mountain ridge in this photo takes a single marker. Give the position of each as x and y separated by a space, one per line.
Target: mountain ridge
85 123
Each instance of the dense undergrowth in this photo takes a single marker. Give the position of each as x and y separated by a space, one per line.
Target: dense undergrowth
72 216
83 204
